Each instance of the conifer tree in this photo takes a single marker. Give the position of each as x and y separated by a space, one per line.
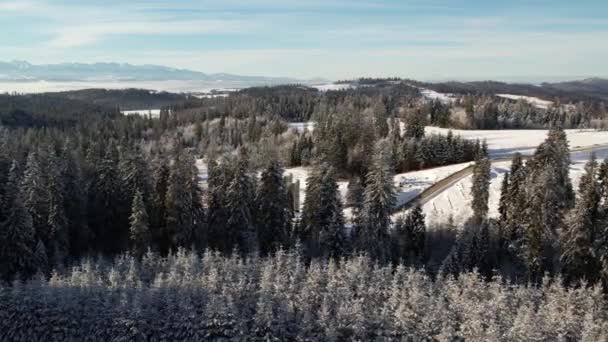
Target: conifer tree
548 196
372 233
273 214
57 221
321 229
139 227
579 234
240 202
36 199
408 236
16 233
480 190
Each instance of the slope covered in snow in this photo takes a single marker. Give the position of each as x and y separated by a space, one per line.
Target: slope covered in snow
535 101
506 142
456 201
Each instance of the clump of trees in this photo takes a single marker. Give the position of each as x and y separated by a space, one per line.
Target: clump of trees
188 297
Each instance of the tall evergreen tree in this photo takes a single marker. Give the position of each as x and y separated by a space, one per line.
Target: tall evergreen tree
480 190
408 236
372 234
35 190
322 226
57 221
273 215
548 196
240 202
139 227
16 233
579 234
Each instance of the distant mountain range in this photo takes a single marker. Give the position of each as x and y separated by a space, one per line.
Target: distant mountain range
22 71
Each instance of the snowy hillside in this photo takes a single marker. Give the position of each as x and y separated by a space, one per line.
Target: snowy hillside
539 103
456 201
506 142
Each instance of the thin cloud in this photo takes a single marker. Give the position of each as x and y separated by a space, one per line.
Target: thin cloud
77 35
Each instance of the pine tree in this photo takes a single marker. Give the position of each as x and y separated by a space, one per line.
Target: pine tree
75 198
480 190
57 220
354 195
408 236
240 202
548 196
503 204
36 199
16 233
182 205
372 234
273 214
579 234
158 215
321 229
139 228
110 232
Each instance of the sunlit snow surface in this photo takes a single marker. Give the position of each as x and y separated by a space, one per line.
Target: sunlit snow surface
539 103
506 142
152 112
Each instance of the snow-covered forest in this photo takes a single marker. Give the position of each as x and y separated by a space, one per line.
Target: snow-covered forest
276 213
211 297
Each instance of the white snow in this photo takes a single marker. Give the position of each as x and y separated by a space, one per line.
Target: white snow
538 103
433 95
153 112
507 142
300 127
408 185
456 201
334 86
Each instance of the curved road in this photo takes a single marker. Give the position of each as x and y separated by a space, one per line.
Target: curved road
442 185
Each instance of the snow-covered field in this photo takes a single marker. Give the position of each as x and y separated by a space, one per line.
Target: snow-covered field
334 86
456 201
300 127
153 112
535 101
433 95
507 142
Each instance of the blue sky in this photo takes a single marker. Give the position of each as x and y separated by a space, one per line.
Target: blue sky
334 39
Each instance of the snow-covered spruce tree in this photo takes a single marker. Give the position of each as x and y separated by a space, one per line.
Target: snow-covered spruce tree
515 203
219 176
107 220
160 179
17 236
182 205
480 190
503 204
578 235
548 196
35 192
372 232
408 237
322 227
414 125
57 220
139 226
600 245
134 174
74 196
273 218
354 195
240 205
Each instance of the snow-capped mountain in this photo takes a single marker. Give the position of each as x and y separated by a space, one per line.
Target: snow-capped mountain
25 71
